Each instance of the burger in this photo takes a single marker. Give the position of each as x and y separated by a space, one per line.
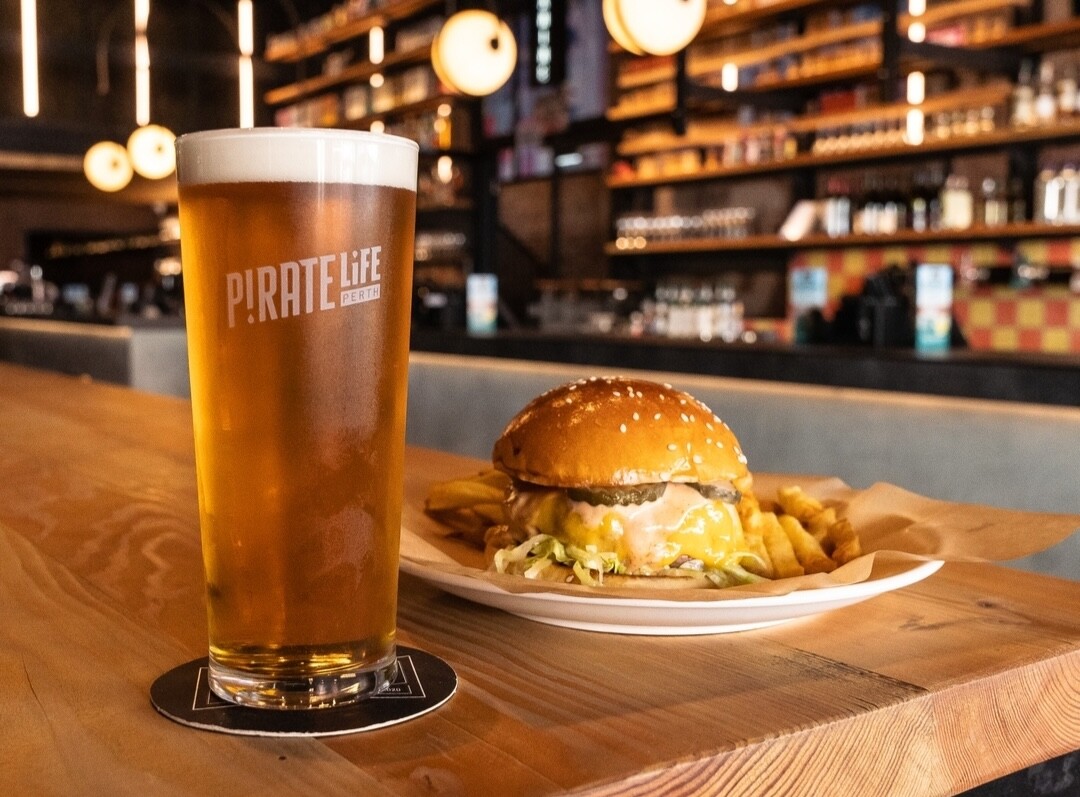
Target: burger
624 482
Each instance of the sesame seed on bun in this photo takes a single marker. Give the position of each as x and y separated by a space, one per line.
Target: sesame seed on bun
618 431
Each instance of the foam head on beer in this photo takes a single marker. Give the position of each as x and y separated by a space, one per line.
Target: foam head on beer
297 249
300 156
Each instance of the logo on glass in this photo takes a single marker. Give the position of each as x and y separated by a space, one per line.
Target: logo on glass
304 286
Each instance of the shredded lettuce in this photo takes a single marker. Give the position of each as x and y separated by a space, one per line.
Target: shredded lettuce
539 552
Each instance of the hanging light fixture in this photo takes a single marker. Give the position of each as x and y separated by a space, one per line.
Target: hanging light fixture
152 149
613 21
654 27
107 166
474 53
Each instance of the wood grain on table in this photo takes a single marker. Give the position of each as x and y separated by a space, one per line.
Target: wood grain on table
932 689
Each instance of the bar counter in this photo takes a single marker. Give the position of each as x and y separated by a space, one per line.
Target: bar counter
155 358
1036 378
930 689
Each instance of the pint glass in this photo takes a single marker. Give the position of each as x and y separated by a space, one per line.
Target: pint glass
297 250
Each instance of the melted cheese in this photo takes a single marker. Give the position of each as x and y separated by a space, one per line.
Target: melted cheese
646 537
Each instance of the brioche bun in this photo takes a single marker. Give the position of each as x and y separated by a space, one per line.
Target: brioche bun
620 432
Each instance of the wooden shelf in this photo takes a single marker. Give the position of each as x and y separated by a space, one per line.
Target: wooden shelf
957 9
1040 38
793 46
989 94
635 78
429 104
996 138
354 73
1009 232
313 45
649 113
723 19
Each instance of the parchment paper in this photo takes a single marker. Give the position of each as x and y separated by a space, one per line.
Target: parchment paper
897 529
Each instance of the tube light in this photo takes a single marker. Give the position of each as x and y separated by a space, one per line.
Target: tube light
444 169
247 92
376 45
729 77
915 124
31 100
916 88
246 43
245 27
142 64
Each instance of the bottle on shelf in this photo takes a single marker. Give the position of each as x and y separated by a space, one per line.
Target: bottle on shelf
1070 195
1046 101
957 203
837 215
995 207
728 315
1017 201
920 219
1049 196
1023 98
1067 92
927 185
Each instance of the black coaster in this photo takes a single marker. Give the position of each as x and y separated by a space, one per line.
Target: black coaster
423 683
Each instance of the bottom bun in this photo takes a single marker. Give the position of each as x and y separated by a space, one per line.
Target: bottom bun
670 579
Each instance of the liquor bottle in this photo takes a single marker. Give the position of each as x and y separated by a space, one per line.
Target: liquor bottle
920 219
1070 195
1046 101
891 215
957 203
1023 98
1042 182
1050 193
837 208
1017 202
934 185
995 209
1067 92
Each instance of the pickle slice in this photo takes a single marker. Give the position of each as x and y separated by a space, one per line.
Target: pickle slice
618 496
719 491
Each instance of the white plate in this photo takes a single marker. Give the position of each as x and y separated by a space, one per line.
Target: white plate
655 617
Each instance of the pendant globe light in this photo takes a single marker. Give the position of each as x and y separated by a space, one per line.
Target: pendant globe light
474 53
613 22
153 151
107 166
654 27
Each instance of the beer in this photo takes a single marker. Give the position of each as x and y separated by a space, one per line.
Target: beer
298 293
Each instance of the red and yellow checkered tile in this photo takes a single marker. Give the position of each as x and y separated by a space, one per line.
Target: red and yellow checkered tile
1040 318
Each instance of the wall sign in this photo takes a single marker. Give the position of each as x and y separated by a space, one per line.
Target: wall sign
549 43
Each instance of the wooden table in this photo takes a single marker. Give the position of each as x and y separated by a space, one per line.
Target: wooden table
964 677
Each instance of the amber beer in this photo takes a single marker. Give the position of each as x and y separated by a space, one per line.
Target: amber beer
297 250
